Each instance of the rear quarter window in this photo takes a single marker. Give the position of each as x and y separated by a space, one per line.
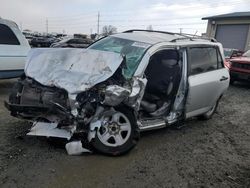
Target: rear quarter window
7 36
204 59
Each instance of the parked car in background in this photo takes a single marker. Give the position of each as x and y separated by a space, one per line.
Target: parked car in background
13 49
232 53
28 36
122 84
43 41
239 67
73 43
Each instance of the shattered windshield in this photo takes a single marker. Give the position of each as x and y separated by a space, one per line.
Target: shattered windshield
133 51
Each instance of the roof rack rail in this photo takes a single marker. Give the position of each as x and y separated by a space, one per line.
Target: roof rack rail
200 37
184 36
153 31
193 39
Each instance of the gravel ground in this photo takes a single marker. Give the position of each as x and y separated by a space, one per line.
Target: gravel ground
214 153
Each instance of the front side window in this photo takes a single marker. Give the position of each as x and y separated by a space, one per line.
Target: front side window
132 50
7 36
204 59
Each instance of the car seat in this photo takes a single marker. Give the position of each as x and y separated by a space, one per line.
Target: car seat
162 73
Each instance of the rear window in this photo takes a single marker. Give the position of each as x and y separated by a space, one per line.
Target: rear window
228 53
7 36
204 59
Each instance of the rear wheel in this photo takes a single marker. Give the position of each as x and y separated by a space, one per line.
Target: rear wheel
118 133
210 113
232 81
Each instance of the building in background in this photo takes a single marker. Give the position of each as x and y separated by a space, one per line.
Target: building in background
232 30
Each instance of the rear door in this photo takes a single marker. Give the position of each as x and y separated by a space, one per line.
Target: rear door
208 79
12 53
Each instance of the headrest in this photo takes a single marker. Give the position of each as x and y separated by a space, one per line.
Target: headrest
169 62
170 54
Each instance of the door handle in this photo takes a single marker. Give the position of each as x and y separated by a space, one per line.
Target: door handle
223 78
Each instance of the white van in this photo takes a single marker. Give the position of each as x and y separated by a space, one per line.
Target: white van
13 49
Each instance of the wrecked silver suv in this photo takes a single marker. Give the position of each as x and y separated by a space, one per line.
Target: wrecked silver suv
122 84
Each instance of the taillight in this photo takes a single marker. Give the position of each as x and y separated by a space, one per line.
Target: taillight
227 64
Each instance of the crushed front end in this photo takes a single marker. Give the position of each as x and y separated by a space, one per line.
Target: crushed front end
86 110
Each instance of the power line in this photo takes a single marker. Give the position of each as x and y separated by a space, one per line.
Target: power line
163 24
214 3
135 21
130 12
148 20
126 17
73 15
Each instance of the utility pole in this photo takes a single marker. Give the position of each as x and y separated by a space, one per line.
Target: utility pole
98 23
47 26
181 30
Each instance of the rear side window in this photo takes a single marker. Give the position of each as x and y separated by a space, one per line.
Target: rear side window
204 59
220 60
7 36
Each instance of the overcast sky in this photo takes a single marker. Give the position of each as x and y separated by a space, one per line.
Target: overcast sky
80 16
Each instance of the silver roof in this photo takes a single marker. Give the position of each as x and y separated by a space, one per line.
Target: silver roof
148 37
154 37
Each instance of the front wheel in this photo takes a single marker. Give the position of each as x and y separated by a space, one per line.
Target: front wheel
118 133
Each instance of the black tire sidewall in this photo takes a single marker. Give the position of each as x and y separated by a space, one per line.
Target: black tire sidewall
232 80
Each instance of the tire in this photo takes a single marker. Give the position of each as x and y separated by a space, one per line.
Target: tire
209 114
232 81
106 140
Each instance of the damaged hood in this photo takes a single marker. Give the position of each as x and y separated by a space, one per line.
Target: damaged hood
74 70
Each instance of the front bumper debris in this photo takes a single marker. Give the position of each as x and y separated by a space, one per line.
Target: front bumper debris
76 148
24 108
49 130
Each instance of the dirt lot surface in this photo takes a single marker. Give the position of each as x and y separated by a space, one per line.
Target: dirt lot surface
214 153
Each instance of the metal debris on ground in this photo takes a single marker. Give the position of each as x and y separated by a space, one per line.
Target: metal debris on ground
75 148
